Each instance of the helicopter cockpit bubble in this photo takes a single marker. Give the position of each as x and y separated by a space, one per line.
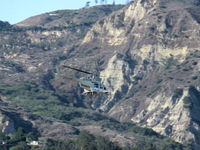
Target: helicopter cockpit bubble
91 84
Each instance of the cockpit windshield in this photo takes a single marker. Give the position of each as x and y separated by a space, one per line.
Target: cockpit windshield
102 87
99 85
96 85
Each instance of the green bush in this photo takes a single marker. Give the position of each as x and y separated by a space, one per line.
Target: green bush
159 80
20 146
194 63
187 102
194 77
177 94
169 62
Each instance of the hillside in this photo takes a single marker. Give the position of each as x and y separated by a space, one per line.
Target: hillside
153 48
147 52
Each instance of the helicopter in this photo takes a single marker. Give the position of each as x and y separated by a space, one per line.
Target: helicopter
90 85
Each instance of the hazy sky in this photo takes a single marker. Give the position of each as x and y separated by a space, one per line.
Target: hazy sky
15 11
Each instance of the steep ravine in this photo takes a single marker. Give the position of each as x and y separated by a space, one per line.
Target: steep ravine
152 66
146 52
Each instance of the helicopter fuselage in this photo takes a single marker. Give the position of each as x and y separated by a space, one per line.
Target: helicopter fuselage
91 86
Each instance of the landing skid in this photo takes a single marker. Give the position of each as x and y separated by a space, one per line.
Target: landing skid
87 93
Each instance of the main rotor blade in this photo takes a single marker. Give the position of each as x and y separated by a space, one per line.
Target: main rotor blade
77 69
73 79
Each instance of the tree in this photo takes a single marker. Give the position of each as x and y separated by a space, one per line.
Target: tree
19 135
103 143
31 137
20 146
2 136
113 2
102 1
3 139
87 4
86 141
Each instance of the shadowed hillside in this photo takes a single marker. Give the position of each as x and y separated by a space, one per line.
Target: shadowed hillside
147 53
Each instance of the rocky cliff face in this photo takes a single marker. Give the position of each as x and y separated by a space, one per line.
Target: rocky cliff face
147 53
153 54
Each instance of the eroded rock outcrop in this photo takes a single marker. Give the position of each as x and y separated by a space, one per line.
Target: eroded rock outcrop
147 54
155 62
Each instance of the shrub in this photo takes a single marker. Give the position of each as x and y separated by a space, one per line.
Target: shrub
194 63
177 94
159 80
194 77
169 62
187 101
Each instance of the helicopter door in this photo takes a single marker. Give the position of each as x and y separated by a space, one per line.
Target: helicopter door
102 87
96 85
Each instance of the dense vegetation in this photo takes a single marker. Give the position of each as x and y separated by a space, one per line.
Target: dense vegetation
87 141
84 141
17 141
45 103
